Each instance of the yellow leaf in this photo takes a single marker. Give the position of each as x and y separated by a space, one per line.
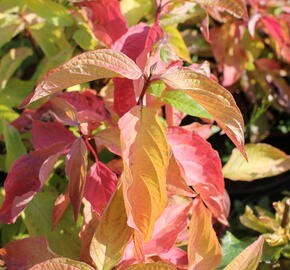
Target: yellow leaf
249 258
204 251
213 97
176 40
234 7
151 266
264 161
112 234
145 155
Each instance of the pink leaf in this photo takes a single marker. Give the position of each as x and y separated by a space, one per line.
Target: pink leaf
47 133
171 223
101 182
22 254
105 19
27 177
76 170
201 166
175 256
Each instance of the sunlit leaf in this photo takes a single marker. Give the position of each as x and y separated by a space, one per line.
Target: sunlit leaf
76 171
112 234
176 40
219 102
86 67
264 161
235 7
51 11
152 266
249 258
145 157
204 251
61 264
13 143
184 103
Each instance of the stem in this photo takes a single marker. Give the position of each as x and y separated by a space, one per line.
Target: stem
143 92
87 142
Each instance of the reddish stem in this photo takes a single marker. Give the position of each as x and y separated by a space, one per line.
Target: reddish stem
87 142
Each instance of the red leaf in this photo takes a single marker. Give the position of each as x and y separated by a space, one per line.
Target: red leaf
101 182
201 167
76 170
27 177
45 134
22 254
105 19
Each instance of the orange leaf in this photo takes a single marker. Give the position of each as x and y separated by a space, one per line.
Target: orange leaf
145 155
88 66
249 258
112 234
213 97
204 251
151 266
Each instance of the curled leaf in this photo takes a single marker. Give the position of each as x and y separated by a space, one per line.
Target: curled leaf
213 97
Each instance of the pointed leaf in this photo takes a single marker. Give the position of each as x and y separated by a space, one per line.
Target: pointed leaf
200 166
86 67
76 170
23 254
213 97
145 158
47 133
101 182
264 161
249 258
112 234
27 177
61 264
204 251
152 266
234 7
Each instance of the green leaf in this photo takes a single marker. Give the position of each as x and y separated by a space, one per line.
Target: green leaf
184 103
134 10
55 43
7 32
156 88
10 62
64 239
231 247
15 92
84 38
13 143
53 12
7 114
